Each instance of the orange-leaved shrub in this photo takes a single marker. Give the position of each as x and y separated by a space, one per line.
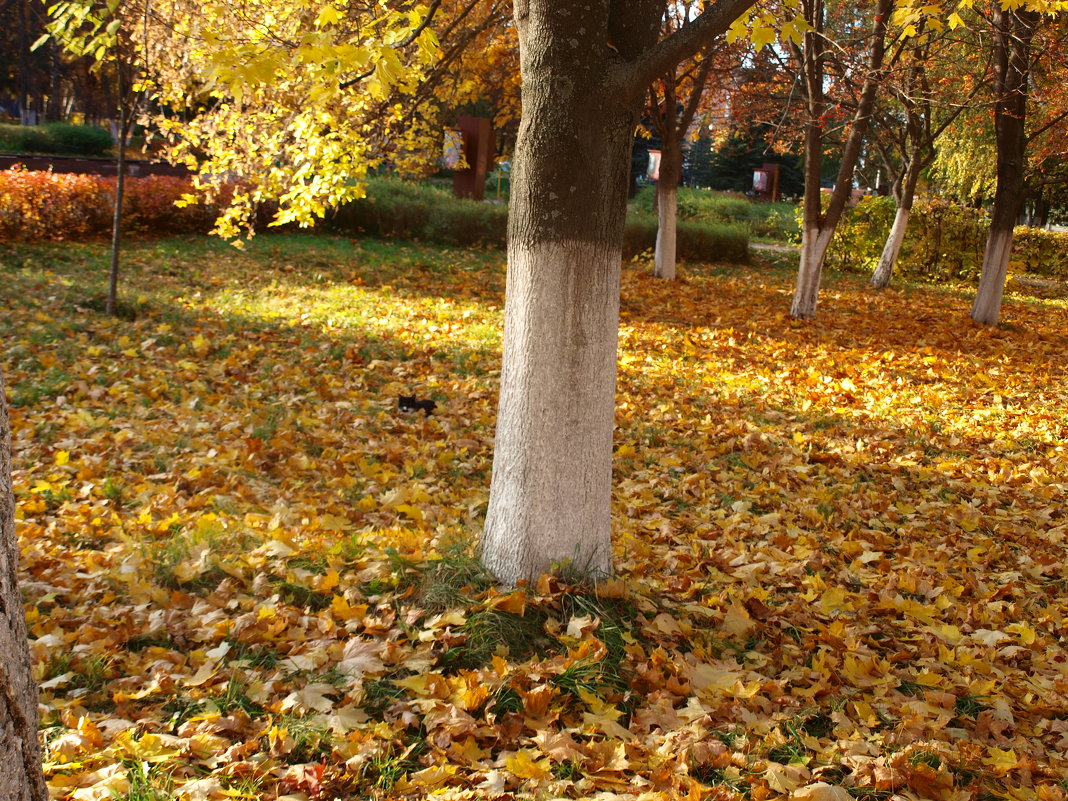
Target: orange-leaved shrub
45 205
149 206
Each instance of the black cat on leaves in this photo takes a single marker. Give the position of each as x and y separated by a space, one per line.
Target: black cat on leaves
410 403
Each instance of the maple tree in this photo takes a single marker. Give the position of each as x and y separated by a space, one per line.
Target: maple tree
20 778
928 69
812 55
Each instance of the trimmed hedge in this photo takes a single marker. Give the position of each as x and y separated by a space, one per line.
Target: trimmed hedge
944 240
55 137
1037 251
694 242
400 210
45 205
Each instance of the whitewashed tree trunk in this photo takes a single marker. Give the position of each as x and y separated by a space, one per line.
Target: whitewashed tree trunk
884 270
814 244
552 463
20 757
550 492
1014 31
986 309
667 219
818 226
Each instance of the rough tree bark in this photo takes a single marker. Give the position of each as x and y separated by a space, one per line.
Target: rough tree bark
1013 34
585 66
818 227
20 757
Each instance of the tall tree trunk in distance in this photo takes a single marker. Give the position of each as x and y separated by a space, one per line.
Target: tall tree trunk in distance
667 190
120 189
20 757
1013 34
23 76
905 197
672 116
818 226
585 66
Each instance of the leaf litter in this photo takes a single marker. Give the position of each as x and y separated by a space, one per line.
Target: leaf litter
249 575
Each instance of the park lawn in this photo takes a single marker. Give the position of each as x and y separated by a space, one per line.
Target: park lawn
248 575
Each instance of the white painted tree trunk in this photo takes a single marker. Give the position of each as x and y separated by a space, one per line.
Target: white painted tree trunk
1014 31
667 216
550 496
987 305
880 279
814 244
551 488
20 758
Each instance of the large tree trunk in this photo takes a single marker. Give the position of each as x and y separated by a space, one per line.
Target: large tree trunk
1013 33
585 66
20 757
884 270
667 189
550 492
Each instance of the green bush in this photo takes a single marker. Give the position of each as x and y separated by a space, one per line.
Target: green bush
776 221
1040 252
401 210
697 242
944 240
22 139
765 220
55 137
78 140
860 236
698 205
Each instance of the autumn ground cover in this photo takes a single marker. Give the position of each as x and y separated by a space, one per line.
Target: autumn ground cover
248 575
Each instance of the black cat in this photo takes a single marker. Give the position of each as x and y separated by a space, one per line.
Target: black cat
410 403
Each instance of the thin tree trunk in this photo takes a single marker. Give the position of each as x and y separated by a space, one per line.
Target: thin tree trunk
667 189
814 244
884 270
120 188
20 757
818 227
1013 34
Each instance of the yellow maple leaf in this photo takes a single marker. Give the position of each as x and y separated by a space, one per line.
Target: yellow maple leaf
1001 761
737 621
821 791
762 36
150 748
524 766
